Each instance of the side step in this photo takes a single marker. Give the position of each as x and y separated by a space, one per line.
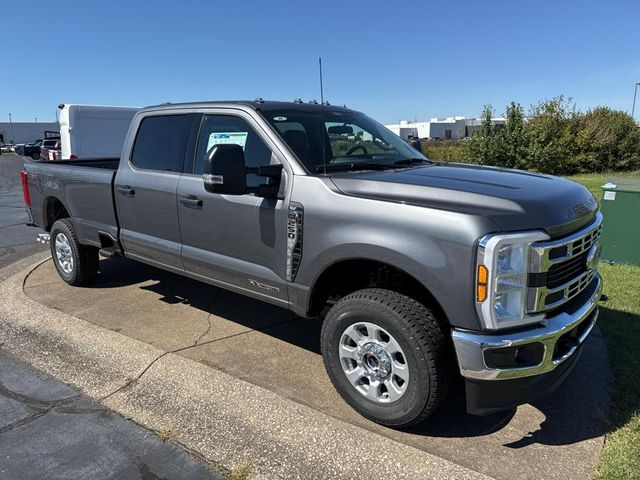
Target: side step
109 252
44 239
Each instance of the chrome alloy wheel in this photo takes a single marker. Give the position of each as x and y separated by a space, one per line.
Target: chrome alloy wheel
373 362
64 253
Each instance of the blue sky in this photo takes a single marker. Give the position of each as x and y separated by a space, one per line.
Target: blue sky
390 59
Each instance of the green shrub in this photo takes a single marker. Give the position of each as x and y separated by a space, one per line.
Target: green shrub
606 140
556 138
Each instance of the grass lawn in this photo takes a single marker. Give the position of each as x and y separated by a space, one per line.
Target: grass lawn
620 321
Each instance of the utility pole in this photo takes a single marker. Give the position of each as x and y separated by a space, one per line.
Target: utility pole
13 135
635 91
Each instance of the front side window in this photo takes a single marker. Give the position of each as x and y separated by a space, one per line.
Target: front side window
340 140
159 144
218 129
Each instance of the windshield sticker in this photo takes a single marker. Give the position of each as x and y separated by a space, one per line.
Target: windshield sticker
280 119
220 138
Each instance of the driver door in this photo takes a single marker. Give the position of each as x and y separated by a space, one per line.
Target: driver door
235 241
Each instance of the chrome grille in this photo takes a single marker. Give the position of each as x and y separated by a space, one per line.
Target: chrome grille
561 273
561 269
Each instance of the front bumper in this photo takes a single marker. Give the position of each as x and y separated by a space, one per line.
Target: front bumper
491 388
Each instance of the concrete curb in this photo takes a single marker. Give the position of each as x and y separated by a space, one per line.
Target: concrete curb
228 421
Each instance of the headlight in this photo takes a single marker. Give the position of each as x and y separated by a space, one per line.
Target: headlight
501 279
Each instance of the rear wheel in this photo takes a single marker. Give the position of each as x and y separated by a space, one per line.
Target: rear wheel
35 156
387 356
76 264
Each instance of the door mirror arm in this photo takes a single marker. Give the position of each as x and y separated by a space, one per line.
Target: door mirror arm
273 173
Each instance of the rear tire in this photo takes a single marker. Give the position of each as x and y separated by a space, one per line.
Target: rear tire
35 156
76 264
382 339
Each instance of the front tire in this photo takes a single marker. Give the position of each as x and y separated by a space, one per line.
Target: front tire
387 356
35 156
76 264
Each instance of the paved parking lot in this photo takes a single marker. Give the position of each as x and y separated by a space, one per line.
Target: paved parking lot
559 437
49 429
16 239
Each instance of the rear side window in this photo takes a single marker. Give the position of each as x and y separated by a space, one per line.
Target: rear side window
160 143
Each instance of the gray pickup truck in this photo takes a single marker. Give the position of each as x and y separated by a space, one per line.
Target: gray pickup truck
421 271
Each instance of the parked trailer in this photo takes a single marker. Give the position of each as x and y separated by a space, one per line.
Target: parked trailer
90 131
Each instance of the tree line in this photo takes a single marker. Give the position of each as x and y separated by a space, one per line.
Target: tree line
555 137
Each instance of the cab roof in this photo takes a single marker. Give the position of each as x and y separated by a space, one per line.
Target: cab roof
258 104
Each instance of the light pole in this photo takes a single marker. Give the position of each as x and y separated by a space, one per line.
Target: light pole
13 135
635 91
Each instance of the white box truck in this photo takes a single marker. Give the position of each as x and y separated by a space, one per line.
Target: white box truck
92 131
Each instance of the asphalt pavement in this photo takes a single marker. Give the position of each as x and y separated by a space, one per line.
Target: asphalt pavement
49 430
16 239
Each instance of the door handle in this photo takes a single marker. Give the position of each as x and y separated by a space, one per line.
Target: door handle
191 200
126 190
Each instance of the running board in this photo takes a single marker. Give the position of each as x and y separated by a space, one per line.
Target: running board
109 252
43 238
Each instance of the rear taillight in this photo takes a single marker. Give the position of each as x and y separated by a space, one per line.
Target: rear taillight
25 188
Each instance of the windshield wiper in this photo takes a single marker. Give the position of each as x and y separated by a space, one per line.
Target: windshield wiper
352 166
412 161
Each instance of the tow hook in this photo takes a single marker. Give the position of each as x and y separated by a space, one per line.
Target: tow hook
43 238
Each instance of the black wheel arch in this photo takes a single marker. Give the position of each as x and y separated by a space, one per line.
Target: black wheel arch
349 275
52 210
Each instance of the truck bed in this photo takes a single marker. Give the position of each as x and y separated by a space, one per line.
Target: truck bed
84 188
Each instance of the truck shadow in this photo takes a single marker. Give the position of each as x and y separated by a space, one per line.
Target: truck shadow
577 411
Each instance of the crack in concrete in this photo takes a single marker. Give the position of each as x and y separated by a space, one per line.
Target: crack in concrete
212 302
135 380
132 381
35 267
259 329
206 332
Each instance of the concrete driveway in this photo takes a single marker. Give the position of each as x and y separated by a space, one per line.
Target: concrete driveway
559 437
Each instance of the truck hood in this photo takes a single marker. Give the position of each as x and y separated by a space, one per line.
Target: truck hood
513 199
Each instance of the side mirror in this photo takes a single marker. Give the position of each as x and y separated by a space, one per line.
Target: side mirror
224 170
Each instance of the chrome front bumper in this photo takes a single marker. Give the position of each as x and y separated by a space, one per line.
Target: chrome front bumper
471 346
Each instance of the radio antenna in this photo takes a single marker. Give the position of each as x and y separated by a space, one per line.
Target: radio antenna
322 126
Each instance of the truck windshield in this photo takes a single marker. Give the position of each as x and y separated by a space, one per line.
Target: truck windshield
350 140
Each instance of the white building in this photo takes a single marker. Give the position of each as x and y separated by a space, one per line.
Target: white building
25 132
450 128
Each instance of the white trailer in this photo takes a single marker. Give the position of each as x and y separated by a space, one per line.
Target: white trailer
91 131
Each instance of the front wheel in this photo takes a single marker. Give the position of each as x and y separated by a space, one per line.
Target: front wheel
76 264
35 156
387 356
